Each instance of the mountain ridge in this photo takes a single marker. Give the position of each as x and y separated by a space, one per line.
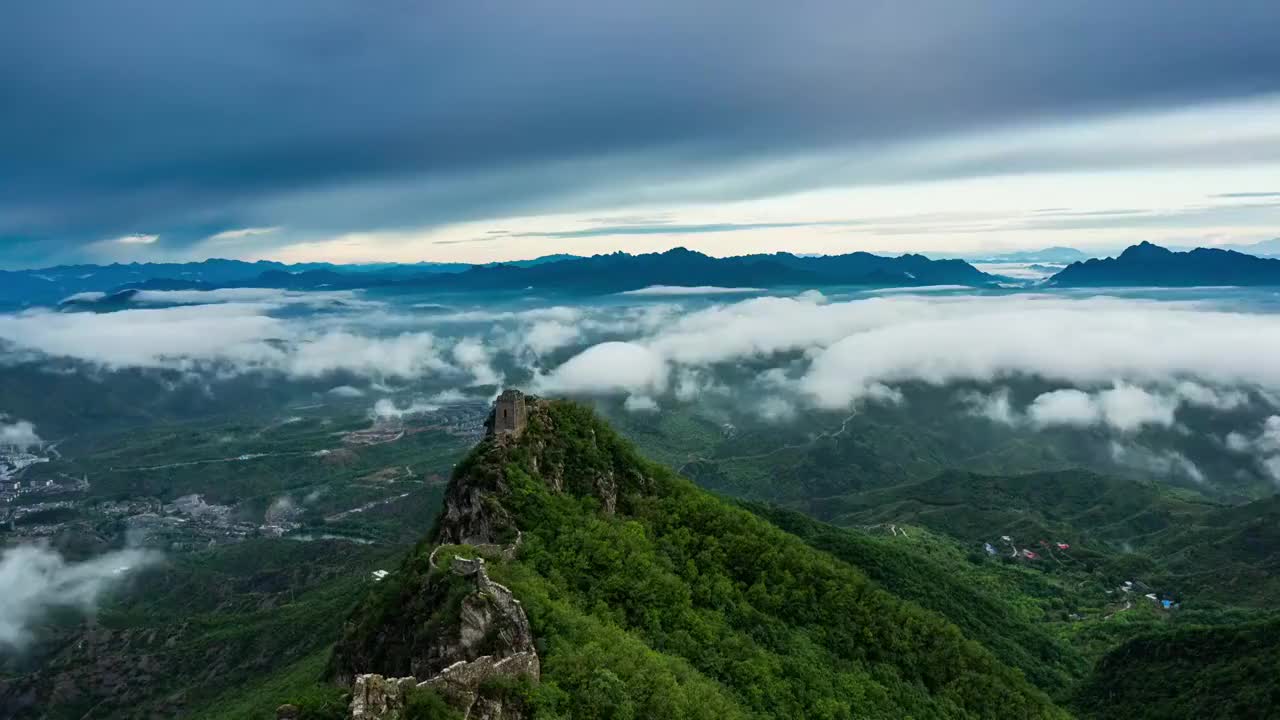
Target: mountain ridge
608 273
633 579
1147 264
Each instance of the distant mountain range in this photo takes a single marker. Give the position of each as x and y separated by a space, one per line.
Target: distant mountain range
46 286
1059 255
1053 255
1151 265
616 272
1266 248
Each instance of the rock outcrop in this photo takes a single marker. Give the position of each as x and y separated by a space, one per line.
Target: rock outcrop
489 618
374 697
472 513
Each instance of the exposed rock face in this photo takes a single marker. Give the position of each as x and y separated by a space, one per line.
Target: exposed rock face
606 488
460 684
492 639
374 697
490 621
470 517
491 614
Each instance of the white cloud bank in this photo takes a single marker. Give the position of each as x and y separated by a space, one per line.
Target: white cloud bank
271 296
1085 342
611 367
670 290
1265 445
387 409
1124 363
471 354
837 353
37 579
918 289
1156 462
230 338
20 434
1124 407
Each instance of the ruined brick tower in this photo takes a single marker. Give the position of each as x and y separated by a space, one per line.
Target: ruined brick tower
509 414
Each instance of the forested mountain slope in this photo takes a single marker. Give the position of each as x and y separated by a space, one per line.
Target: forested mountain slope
647 597
1189 673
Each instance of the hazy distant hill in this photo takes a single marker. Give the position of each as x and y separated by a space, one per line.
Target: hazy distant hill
1265 248
46 286
1044 255
616 272
620 272
1152 265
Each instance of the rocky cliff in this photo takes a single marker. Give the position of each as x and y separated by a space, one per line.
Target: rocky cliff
440 623
484 640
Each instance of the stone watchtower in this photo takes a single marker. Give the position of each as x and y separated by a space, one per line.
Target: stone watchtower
509 414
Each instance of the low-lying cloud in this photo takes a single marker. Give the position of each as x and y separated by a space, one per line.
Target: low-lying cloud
1123 365
611 367
388 409
37 580
1123 407
676 290
1264 445
223 339
1085 342
19 434
1159 463
834 354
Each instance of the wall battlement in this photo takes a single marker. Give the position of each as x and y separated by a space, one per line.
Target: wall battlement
510 413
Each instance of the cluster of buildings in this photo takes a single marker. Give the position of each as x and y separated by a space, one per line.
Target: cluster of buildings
1137 586
12 489
190 523
1024 553
14 461
465 420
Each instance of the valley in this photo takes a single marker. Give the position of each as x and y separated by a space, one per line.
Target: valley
979 551
639 361
237 528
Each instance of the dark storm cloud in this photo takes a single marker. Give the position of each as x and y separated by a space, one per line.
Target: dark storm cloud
185 119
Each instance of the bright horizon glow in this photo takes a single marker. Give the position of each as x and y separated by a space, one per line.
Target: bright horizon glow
1205 176
1199 176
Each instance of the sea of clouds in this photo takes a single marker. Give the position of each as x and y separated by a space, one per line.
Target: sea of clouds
1124 364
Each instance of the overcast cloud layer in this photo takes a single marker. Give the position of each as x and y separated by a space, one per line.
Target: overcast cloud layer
243 126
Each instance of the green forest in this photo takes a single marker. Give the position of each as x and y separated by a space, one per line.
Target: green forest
683 604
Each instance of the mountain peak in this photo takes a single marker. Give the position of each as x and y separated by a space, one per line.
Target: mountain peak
681 251
569 574
1146 264
1146 250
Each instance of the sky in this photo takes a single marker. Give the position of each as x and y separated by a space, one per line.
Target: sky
329 130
